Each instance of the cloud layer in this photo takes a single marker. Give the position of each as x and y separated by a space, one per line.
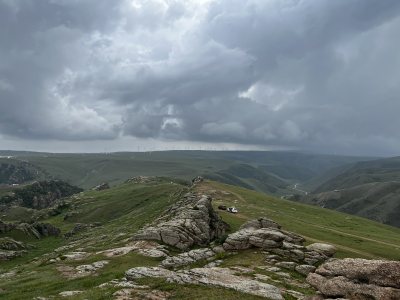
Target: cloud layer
302 74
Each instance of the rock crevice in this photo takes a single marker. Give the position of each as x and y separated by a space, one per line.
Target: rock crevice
191 221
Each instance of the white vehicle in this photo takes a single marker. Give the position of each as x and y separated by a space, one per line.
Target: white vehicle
232 210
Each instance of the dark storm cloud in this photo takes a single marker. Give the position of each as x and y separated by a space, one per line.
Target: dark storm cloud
313 75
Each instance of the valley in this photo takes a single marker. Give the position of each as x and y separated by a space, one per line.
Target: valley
100 230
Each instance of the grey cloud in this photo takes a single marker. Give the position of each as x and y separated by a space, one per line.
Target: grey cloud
304 74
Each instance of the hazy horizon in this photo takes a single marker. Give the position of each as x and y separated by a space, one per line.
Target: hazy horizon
194 150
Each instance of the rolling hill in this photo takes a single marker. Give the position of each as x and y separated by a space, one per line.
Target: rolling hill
380 170
108 219
379 201
370 189
266 171
16 171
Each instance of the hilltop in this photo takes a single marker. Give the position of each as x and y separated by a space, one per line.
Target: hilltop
107 235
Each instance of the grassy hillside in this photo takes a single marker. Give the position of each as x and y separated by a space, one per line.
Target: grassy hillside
370 189
266 171
381 170
124 209
354 236
379 201
120 211
251 177
39 194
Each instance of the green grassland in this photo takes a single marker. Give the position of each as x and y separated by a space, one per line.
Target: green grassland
369 189
123 209
354 236
5 189
121 212
266 171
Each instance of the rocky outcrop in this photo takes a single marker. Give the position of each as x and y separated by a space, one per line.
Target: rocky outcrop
189 257
46 229
41 194
102 186
261 233
37 230
8 255
6 227
266 234
221 277
10 248
79 227
145 248
11 244
264 238
139 293
260 223
70 293
76 255
15 171
325 249
356 278
304 269
197 180
140 179
283 249
191 221
82 270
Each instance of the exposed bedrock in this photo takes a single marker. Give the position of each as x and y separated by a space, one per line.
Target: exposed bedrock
191 221
356 278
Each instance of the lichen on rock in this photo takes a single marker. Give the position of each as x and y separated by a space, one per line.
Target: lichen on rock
191 221
357 278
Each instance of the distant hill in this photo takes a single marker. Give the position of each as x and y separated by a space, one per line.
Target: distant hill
97 226
380 170
13 171
266 171
250 177
379 201
39 195
369 189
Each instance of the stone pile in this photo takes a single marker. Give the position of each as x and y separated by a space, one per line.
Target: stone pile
268 235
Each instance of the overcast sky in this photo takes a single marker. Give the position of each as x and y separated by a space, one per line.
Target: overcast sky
108 75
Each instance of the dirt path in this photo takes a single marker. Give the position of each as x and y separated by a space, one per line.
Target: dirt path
353 235
366 254
360 252
238 196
